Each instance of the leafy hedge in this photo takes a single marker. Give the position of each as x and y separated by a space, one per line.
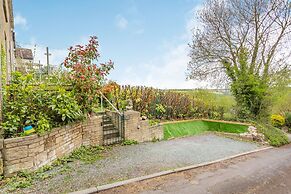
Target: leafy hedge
163 104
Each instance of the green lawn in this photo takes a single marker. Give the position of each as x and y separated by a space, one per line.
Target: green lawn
188 128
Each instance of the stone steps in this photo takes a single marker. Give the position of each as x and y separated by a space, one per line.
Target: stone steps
111 135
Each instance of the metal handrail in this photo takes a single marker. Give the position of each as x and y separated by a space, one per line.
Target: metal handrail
103 96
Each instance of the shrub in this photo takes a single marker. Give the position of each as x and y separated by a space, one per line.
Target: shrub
160 110
26 103
277 120
166 104
275 136
86 76
288 119
64 107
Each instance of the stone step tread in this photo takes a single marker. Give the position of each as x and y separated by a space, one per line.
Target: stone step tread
109 127
112 140
108 124
112 131
111 136
107 121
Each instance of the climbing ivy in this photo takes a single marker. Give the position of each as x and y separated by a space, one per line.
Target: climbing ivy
3 65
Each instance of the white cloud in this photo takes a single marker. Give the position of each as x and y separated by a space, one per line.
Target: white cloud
168 70
121 22
21 21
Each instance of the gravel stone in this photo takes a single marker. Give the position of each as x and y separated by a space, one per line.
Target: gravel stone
124 162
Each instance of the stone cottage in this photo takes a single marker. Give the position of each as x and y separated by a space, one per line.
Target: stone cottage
24 60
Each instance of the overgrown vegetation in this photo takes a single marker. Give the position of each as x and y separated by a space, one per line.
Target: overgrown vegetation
275 136
87 154
180 129
211 98
162 104
28 104
58 99
129 142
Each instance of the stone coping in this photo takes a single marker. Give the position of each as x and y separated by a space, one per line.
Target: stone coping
210 120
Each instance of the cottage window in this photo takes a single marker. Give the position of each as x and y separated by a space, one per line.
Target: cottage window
5 10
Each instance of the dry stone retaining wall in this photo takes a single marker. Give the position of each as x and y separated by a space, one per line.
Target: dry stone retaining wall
32 152
140 130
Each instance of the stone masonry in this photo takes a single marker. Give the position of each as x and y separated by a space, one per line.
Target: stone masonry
140 130
32 152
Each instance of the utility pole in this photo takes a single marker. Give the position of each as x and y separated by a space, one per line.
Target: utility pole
39 70
34 50
48 59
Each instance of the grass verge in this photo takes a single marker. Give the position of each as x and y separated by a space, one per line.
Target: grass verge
188 128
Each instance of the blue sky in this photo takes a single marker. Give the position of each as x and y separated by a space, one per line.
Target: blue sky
146 39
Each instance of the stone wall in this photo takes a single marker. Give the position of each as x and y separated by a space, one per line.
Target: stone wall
92 131
1 157
140 130
32 152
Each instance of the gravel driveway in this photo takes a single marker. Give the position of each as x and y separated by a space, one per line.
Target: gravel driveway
123 162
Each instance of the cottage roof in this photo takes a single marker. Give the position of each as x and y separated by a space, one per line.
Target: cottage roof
24 53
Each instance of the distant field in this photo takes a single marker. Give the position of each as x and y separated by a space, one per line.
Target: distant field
188 128
215 97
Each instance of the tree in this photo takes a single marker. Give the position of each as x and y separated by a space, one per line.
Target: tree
86 76
243 43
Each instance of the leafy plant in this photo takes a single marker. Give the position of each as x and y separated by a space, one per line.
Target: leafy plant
63 104
27 103
166 104
86 76
160 110
275 136
277 120
154 122
3 64
288 119
87 154
129 142
43 124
